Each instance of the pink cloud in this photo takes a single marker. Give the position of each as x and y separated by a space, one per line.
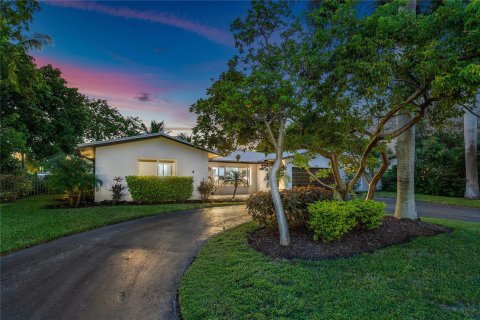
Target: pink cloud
97 82
122 90
213 34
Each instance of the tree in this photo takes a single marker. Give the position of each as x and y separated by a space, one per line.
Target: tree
252 102
156 127
470 127
106 122
368 69
73 176
235 177
185 137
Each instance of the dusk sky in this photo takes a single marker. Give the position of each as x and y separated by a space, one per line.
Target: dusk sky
150 59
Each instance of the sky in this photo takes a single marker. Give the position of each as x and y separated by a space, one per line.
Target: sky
150 59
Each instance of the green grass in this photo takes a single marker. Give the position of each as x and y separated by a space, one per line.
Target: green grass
436 199
428 278
26 222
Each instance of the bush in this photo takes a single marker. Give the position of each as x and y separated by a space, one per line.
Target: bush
153 189
370 213
295 203
206 188
14 186
73 176
117 189
330 220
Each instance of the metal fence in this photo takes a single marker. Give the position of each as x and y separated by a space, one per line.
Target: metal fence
24 185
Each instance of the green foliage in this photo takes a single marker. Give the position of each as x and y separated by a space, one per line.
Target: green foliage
73 176
439 165
206 188
12 141
118 190
330 220
295 203
152 189
14 186
370 213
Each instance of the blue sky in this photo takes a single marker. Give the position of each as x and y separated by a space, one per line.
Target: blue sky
150 59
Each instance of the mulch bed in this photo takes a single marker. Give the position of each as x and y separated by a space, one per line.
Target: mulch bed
302 246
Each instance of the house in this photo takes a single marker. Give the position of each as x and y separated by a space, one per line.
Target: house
160 154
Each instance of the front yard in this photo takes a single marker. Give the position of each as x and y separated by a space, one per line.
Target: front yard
428 278
26 222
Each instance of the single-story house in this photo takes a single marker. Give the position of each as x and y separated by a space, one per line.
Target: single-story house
159 154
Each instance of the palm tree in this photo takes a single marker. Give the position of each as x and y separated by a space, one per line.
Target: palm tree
470 134
156 127
406 206
235 177
37 41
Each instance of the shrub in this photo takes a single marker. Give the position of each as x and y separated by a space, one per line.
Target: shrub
370 213
153 189
14 186
330 220
117 189
295 203
73 176
206 188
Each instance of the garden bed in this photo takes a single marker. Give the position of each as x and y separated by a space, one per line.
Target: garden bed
302 246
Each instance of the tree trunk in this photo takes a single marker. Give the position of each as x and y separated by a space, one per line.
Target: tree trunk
277 201
405 207
234 190
341 188
79 197
372 184
470 134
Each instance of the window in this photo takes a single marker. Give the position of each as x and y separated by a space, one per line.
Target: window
161 168
219 173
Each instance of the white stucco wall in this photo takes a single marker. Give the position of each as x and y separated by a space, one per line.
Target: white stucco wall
122 160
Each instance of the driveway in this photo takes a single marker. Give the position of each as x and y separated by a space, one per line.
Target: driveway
440 211
125 271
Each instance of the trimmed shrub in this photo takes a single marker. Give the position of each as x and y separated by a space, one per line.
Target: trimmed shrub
206 188
370 213
153 189
295 203
330 220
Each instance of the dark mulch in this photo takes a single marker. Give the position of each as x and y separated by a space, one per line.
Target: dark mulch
302 246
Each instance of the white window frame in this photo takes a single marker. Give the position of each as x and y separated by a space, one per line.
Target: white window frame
173 162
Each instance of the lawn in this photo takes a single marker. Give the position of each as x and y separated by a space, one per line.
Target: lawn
435 199
26 222
428 278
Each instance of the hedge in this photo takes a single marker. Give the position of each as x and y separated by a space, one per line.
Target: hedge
153 189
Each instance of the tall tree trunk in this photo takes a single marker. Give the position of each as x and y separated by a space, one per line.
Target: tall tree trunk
234 190
405 207
470 135
277 200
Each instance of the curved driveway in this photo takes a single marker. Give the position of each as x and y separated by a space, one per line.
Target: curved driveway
125 271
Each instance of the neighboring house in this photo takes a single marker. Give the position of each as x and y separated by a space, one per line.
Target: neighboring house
160 154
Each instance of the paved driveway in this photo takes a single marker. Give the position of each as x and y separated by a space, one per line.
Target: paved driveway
125 271
440 211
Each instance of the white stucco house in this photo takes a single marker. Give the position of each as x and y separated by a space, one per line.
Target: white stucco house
160 154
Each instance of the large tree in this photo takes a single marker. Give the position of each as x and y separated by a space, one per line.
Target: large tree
386 64
470 127
253 102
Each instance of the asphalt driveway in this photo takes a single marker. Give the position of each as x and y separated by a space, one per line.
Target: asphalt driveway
125 271
440 211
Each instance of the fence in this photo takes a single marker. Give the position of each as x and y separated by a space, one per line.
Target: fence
19 186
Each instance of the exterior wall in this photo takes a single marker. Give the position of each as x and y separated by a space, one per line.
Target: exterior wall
122 160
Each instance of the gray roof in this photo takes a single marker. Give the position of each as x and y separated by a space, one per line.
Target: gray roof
253 157
142 137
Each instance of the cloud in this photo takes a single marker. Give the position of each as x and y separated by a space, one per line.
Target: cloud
144 96
210 33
